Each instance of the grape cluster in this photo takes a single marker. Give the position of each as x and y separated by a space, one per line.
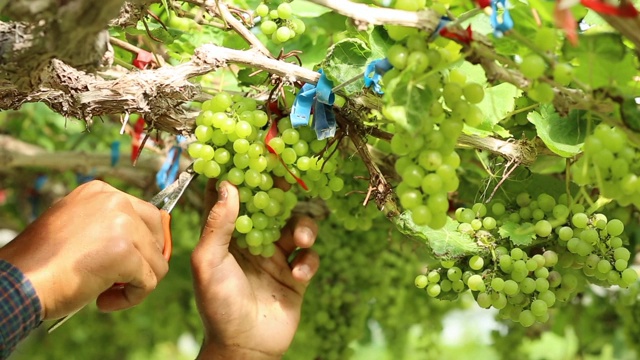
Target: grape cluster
347 206
610 163
279 23
523 279
230 145
426 157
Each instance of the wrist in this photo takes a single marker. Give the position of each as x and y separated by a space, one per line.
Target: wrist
211 351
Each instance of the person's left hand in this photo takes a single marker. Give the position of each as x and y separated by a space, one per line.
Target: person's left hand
250 305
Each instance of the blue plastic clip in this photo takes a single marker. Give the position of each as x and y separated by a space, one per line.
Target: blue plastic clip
444 21
374 72
321 98
499 28
169 170
115 153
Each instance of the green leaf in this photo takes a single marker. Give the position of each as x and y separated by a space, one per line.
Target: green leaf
447 242
347 59
563 136
307 9
406 96
520 234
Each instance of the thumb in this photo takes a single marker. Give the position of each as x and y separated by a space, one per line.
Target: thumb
219 226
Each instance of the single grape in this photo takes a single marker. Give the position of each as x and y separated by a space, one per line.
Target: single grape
269 27
421 281
262 10
244 224
533 66
284 11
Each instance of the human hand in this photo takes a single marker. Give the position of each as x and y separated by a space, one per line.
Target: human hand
250 305
94 237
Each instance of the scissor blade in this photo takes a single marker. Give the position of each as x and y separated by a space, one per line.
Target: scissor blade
61 321
168 198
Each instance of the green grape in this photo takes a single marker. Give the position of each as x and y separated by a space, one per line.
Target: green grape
211 169
511 287
542 93
527 285
269 27
195 150
433 290
580 220
298 26
454 274
621 254
283 34
615 227
255 238
497 284
533 66
421 281
563 73
262 10
421 215
277 144
284 11
418 61
473 92
203 133
398 56
244 224
526 318
484 300
543 228
219 103
476 262
539 307
546 39
476 283
629 276
235 176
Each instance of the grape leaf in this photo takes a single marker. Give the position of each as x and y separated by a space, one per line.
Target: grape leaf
406 97
447 242
563 136
520 234
307 9
346 60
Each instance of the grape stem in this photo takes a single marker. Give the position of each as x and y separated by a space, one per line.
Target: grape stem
222 10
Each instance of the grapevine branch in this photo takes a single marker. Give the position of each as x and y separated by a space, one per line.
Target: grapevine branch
16 154
479 51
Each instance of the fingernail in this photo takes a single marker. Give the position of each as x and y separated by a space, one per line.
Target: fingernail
223 192
306 270
307 234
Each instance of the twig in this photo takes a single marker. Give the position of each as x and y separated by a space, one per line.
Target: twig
365 15
239 27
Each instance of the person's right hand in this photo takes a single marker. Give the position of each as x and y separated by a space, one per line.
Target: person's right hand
94 237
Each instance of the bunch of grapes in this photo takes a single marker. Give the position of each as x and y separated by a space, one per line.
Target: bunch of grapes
567 246
346 206
610 163
279 23
427 161
231 146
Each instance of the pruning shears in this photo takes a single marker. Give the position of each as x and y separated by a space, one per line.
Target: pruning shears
165 200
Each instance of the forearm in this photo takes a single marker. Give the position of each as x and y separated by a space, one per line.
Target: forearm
20 308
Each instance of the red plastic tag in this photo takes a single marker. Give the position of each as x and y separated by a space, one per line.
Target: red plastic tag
144 60
565 21
483 3
138 128
465 36
273 132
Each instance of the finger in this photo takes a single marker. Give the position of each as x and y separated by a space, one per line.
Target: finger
213 247
148 248
210 198
151 217
281 183
140 283
299 232
305 266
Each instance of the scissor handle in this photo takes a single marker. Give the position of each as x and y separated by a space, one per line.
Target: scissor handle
166 227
